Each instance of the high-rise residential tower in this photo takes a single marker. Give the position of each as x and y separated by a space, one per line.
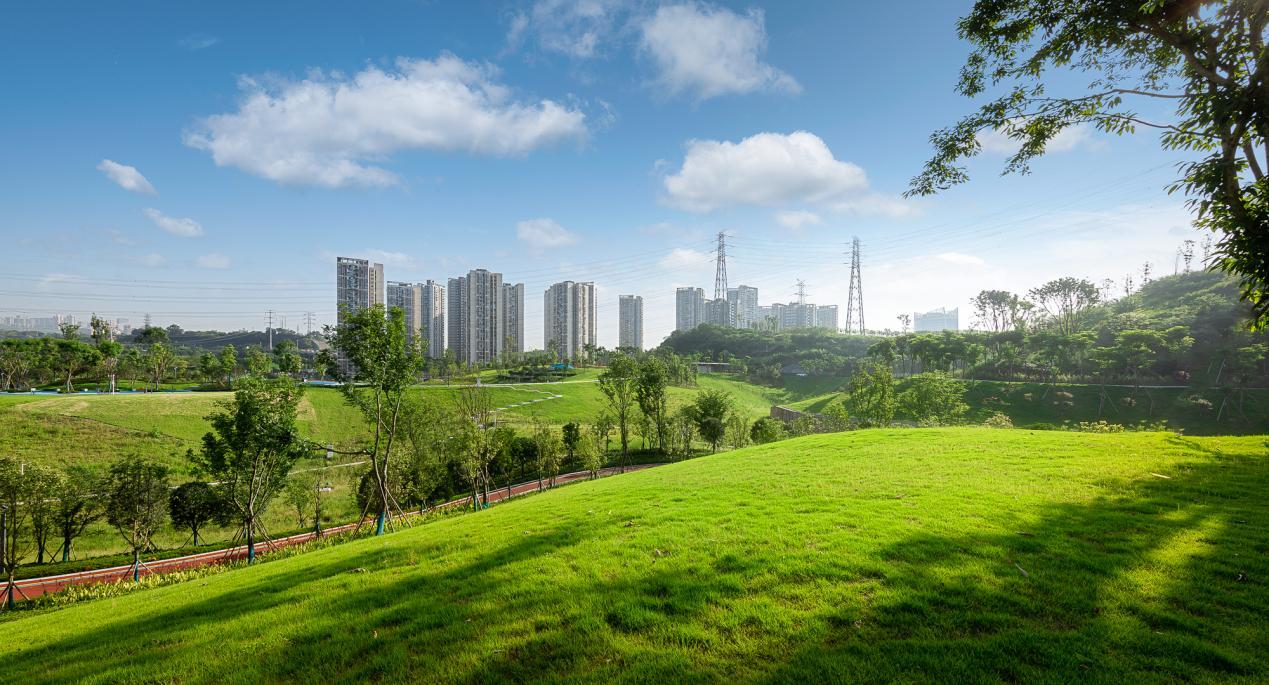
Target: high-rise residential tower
630 321
744 302
569 319
456 317
409 298
513 317
689 308
480 320
826 316
358 285
432 311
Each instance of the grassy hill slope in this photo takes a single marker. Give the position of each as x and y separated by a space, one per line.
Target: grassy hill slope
949 554
1245 413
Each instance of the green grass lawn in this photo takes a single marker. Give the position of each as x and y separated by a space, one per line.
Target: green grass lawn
1245 414
926 554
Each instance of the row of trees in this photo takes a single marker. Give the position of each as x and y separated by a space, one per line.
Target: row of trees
1190 327
27 363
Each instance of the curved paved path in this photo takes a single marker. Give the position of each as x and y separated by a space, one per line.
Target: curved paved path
34 587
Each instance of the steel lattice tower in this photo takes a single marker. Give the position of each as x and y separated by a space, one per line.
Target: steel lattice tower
855 299
720 270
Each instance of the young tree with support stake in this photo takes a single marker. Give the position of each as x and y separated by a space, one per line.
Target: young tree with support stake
78 504
13 518
41 490
384 364
193 505
136 504
252 448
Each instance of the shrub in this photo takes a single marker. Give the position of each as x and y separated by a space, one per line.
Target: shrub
1098 427
1043 427
998 420
765 430
1199 402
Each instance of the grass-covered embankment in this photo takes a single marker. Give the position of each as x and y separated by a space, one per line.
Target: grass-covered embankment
949 554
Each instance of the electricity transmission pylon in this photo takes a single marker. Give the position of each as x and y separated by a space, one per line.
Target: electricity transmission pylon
855 299
720 268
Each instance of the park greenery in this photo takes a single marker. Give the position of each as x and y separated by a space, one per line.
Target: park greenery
957 554
1204 59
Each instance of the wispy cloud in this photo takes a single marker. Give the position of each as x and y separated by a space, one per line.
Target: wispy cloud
126 177
186 228
542 233
197 41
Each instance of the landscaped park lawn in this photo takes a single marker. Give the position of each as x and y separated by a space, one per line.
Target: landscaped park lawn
1245 412
958 554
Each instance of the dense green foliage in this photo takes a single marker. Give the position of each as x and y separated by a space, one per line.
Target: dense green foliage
1205 58
932 554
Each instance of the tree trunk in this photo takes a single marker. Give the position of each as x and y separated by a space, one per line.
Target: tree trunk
136 565
195 529
251 542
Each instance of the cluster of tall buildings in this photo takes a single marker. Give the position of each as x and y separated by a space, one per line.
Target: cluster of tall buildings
740 309
479 318
53 324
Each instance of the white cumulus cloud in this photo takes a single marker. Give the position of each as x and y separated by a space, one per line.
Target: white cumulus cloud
126 177
213 260
795 220
763 169
543 233
186 228
707 51
330 129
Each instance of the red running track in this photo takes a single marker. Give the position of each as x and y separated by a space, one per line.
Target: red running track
34 587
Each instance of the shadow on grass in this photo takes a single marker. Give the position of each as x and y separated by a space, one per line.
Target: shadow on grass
1166 581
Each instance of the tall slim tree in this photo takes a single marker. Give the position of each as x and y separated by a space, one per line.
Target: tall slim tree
651 392
253 445
1065 300
619 383
14 516
79 504
1207 59
384 363
136 503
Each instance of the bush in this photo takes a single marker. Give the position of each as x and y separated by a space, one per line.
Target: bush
998 420
1043 427
765 430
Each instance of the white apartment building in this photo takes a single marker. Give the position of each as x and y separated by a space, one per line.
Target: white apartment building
689 308
358 285
630 321
569 319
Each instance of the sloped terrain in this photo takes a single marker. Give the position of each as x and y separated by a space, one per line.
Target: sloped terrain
953 554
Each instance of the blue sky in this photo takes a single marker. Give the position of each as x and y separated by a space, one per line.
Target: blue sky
205 162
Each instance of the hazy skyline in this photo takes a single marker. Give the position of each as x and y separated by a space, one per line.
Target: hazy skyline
206 164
